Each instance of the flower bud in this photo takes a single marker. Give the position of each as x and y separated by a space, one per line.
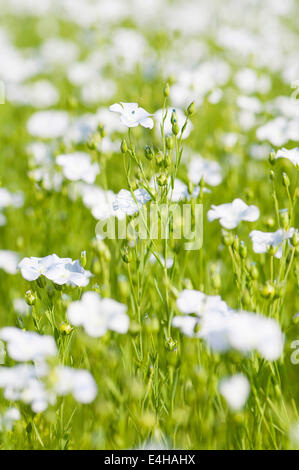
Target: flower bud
162 180
272 158
272 250
284 215
170 344
254 272
174 117
123 146
169 143
236 243
148 152
126 254
101 130
268 291
285 180
166 90
243 250
175 128
65 329
190 110
83 259
30 297
159 159
134 328
216 281
227 238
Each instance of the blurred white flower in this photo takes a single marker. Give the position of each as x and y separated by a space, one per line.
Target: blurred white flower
128 204
27 383
279 131
292 155
20 306
9 261
223 328
78 382
48 124
132 115
231 214
22 382
209 170
263 240
98 315
235 390
78 166
8 199
8 418
27 345
193 301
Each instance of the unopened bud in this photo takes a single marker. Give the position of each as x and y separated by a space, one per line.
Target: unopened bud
285 180
83 259
175 128
169 142
190 110
123 146
272 158
166 90
148 152
243 250
162 180
30 297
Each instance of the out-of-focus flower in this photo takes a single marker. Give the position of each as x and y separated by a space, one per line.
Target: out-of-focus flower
128 204
231 214
8 418
132 115
292 155
235 390
223 328
9 261
263 240
209 170
48 124
98 315
78 382
193 301
27 345
78 166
